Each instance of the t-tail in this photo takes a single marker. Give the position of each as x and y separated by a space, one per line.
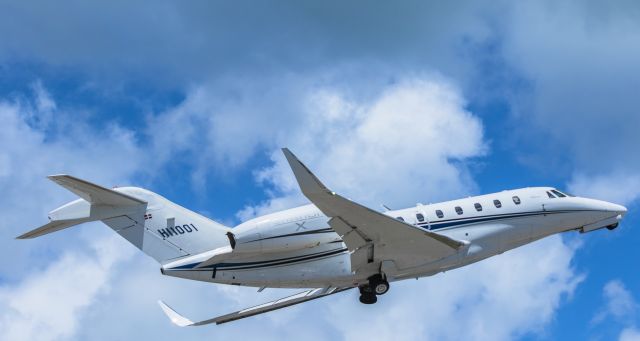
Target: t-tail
161 229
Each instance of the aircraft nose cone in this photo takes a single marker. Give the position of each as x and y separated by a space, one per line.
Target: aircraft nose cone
621 210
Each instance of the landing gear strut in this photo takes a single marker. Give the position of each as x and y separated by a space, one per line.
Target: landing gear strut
377 285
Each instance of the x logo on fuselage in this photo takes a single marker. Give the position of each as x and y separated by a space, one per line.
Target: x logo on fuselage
301 226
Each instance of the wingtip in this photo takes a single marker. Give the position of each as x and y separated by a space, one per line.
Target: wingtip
288 154
55 176
175 318
307 181
58 178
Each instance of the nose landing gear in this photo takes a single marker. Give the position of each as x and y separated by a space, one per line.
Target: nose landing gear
377 285
612 227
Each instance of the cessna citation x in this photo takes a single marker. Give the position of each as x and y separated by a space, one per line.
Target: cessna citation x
331 245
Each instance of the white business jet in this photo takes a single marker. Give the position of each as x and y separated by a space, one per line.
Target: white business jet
331 245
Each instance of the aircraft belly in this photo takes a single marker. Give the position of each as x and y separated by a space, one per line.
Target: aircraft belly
323 265
518 233
490 239
312 273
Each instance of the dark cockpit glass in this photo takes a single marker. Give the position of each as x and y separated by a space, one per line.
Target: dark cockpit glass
561 194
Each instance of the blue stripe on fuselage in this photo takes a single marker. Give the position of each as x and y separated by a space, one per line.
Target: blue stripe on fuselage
271 262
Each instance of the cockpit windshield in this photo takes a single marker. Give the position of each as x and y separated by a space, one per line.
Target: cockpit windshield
561 194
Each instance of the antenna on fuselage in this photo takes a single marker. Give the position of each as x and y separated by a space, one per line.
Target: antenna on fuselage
386 208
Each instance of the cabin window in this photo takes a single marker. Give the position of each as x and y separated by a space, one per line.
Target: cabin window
439 214
497 203
420 217
459 210
558 193
400 218
516 200
478 207
550 195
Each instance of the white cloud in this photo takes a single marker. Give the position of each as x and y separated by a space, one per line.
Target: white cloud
406 142
620 304
581 59
404 145
497 299
578 109
630 334
38 139
219 127
49 304
620 307
48 283
619 187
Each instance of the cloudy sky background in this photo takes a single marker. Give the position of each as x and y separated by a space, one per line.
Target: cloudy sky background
389 103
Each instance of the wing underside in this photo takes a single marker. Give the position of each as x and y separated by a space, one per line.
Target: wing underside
288 301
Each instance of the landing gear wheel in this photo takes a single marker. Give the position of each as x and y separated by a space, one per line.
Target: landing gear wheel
612 227
368 298
378 285
381 288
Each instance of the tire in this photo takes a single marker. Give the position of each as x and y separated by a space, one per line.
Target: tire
368 298
381 288
378 285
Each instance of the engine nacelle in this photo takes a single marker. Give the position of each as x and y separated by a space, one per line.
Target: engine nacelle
280 239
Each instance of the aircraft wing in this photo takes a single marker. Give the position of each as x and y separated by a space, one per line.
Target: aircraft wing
288 301
372 237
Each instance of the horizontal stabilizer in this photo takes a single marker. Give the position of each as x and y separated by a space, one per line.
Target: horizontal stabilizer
93 193
50 227
96 203
288 301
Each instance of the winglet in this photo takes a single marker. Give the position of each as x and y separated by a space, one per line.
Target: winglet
309 183
175 318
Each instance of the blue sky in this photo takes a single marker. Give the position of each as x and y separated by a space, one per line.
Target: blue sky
390 103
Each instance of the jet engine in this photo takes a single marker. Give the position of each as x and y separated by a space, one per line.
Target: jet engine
288 237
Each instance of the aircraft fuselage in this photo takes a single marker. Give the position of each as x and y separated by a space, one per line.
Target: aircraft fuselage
297 248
